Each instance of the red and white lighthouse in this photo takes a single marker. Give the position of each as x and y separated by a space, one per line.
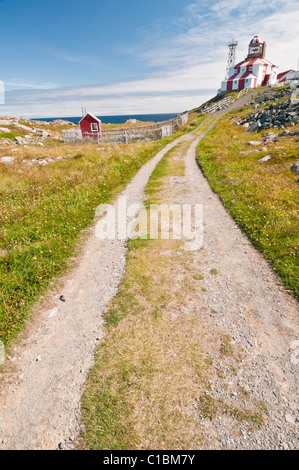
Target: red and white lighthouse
252 72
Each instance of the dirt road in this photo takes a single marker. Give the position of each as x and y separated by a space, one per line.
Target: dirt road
45 375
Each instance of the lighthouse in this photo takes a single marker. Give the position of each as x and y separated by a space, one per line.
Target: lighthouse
252 72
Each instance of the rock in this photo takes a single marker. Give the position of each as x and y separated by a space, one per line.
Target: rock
7 160
265 159
21 140
254 142
44 134
289 418
6 142
295 168
265 118
270 135
254 127
39 162
248 152
23 128
279 115
5 122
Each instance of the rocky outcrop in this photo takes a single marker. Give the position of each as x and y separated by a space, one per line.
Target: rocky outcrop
22 131
278 115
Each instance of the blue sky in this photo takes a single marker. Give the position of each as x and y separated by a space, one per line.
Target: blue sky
131 57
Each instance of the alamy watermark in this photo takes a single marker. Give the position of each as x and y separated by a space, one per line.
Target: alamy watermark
157 221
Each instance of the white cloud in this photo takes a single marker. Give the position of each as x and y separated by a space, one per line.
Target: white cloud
21 84
191 62
112 105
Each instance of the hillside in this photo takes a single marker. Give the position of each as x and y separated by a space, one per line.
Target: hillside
176 342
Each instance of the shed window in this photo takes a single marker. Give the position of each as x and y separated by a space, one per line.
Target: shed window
94 126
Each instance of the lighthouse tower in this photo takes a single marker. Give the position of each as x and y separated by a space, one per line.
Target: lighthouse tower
256 49
252 72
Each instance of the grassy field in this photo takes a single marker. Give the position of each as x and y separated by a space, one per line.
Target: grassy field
45 209
46 206
261 196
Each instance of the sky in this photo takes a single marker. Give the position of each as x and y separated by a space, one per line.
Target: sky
116 57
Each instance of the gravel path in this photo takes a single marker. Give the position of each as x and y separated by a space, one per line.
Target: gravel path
40 395
245 300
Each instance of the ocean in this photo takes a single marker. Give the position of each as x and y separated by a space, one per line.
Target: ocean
117 119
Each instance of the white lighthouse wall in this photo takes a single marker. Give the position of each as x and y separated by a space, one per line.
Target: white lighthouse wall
273 78
236 84
257 70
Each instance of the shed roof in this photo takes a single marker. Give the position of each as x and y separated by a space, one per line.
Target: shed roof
91 115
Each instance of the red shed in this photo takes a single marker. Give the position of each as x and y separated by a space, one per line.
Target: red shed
91 127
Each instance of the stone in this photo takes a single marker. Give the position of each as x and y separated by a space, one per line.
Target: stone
24 128
270 135
289 418
295 168
21 140
254 127
248 152
265 118
254 142
5 122
7 160
265 159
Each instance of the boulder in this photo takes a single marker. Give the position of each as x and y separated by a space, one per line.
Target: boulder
265 159
295 168
254 127
7 160
23 128
5 122
254 142
21 140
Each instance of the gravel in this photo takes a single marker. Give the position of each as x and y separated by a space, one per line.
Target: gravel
41 391
44 378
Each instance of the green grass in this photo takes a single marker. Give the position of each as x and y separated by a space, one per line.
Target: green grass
44 211
262 198
148 368
253 417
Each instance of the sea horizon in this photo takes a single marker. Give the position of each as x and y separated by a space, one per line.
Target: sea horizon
116 119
